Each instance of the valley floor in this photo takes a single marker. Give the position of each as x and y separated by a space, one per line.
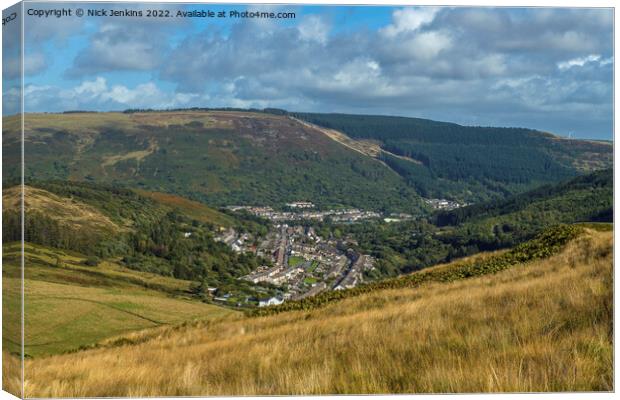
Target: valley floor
543 326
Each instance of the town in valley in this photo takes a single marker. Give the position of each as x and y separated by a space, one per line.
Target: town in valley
304 264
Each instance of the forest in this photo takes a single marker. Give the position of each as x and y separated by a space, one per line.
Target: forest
467 163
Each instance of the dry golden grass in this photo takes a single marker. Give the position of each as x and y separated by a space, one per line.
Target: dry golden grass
11 374
544 326
69 211
132 155
89 122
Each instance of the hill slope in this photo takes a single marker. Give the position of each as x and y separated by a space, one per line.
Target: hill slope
411 245
436 338
470 163
160 234
217 157
585 198
236 157
69 304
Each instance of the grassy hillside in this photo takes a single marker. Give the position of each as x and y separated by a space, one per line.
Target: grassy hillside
587 198
438 338
241 157
147 234
69 304
471 163
74 213
217 157
192 209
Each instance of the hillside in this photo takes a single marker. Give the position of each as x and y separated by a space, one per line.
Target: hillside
70 305
411 245
585 198
192 209
473 164
224 158
216 157
434 338
160 234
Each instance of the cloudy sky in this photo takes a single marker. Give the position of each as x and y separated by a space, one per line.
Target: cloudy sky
549 69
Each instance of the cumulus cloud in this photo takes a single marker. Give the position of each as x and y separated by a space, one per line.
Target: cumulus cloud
97 94
581 61
313 28
409 20
139 44
501 66
120 47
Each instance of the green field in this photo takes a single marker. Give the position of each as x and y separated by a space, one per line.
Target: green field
310 280
69 305
295 261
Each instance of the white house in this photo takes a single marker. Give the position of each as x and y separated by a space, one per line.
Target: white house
273 301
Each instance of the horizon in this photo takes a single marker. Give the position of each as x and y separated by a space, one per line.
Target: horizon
548 69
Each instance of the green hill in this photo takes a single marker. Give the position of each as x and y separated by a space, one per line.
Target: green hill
412 245
442 159
218 158
585 198
222 158
193 209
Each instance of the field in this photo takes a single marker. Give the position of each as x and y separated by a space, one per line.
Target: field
69 305
294 261
540 326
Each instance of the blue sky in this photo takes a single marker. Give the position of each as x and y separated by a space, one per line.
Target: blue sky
549 69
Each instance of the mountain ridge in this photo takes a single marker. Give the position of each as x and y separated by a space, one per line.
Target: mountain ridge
264 158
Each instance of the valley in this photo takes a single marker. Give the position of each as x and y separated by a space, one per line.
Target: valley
172 237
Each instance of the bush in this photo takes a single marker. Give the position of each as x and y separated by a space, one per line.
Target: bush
92 261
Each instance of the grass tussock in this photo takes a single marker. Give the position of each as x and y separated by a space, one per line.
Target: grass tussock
541 326
11 373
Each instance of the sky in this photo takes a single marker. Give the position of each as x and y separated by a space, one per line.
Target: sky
544 68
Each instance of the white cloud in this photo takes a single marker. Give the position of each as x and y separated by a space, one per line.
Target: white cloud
409 20
97 94
427 45
581 61
313 28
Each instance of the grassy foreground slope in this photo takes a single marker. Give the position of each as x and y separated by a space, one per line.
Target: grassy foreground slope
540 326
69 305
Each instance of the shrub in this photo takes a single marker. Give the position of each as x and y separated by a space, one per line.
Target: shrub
92 261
